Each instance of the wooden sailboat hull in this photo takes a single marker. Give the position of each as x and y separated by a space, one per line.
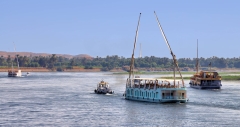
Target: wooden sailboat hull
206 87
216 84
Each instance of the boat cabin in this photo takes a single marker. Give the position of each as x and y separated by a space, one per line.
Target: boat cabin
103 84
209 74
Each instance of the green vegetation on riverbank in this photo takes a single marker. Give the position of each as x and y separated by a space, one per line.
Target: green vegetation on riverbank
157 73
109 63
224 77
170 72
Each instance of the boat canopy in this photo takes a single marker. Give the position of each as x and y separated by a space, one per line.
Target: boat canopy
209 72
155 79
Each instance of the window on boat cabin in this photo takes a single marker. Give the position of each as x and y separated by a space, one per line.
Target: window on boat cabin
136 81
156 94
171 94
183 95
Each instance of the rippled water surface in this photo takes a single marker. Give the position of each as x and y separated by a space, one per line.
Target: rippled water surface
67 99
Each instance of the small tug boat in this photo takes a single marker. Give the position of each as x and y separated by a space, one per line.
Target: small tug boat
205 79
103 88
154 89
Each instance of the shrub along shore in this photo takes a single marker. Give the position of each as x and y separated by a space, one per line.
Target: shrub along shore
42 69
187 75
224 77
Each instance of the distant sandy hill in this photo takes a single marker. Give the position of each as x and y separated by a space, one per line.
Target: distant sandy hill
28 54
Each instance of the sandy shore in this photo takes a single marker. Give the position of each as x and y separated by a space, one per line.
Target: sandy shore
32 69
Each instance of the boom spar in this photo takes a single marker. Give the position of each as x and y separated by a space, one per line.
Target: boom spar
173 56
135 41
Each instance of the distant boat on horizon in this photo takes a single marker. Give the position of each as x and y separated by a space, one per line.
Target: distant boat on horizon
12 72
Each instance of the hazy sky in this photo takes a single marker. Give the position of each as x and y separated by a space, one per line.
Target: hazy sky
107 27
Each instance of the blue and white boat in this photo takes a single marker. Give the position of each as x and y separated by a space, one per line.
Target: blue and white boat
154 89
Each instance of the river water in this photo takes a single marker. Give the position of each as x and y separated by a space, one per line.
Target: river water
67 99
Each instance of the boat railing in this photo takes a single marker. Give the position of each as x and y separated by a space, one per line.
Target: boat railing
152 84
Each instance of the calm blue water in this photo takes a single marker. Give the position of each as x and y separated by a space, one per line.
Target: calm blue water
67 99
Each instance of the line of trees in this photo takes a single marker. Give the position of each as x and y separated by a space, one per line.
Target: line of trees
110 62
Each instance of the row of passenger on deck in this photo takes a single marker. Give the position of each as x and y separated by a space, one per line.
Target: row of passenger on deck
151 86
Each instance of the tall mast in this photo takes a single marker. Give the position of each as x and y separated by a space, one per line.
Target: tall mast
140 53
197 64
174 72
16 55
135 41
173 56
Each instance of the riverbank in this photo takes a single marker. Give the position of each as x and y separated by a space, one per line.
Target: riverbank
40 69
224 77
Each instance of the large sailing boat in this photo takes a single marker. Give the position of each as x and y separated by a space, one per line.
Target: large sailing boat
205 79
12 72
154 89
